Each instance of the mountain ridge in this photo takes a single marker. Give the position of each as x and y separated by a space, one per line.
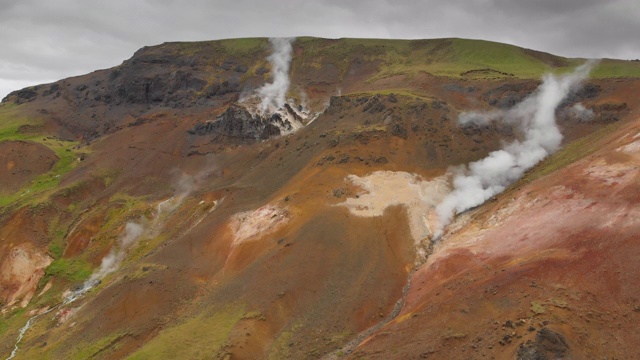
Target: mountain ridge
259 243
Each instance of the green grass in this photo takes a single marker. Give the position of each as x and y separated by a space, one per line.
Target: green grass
122 208
244 45
200 337
448 57
74 270
10 122
14 319
57 235
91 350
474 54
411 94
280 348
455 57
609 68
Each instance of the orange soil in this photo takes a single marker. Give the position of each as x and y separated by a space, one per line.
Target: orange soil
21 162
567 243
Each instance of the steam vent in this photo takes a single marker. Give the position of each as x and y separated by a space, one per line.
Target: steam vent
310 198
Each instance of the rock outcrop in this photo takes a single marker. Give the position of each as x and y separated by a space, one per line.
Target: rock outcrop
239 123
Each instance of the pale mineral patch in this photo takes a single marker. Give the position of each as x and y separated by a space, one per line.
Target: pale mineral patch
20 273
631 148
611 174
249 225
382 189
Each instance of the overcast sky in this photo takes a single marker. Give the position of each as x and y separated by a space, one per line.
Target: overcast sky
47 40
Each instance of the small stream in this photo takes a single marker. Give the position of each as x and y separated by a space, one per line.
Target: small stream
26 327
349 347
75 295
353 343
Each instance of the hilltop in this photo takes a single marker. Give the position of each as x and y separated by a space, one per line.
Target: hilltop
307 230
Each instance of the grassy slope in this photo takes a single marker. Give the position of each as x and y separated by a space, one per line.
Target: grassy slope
185 340
10 123
452 58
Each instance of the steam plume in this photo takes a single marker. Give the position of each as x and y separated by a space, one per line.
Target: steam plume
273 94
581 113
110 263
184 185
482 179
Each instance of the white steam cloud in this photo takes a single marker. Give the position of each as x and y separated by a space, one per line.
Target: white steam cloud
184 185
581 113
110 263
535 116
274 93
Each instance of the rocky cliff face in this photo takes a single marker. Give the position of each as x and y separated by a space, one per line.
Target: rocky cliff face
305 231
160 77
237 122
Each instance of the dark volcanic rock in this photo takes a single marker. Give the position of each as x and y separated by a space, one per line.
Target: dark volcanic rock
238 122
223 88
173 75
22 96
587 91
53 89
398 130
374 105
507 95
548 345
175 89
241 69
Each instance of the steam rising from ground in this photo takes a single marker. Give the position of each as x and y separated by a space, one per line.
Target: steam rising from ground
132 232
110 263
269 102
274 93
535 116
184 185
581 113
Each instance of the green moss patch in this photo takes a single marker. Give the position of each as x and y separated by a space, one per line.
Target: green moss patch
74 270
244 45
538 308
201 337
280 348
91 350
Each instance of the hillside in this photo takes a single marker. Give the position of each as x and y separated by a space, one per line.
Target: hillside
164 209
